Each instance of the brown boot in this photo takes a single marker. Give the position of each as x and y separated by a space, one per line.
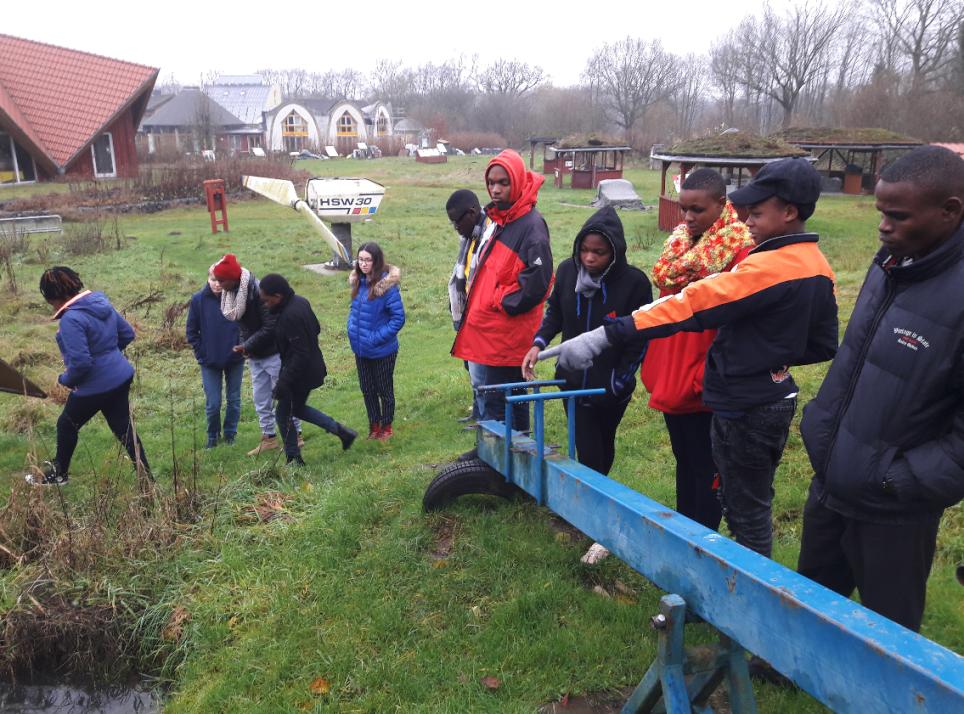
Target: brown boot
374 430
386 433
267 443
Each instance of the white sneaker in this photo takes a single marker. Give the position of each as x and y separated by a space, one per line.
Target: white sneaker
595 553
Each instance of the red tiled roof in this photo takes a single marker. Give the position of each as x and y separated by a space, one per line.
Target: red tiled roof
60 99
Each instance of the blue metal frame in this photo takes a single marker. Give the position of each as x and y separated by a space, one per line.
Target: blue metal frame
845 656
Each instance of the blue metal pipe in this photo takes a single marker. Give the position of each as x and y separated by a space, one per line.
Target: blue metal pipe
847 657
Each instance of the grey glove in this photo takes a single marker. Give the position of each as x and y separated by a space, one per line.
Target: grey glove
578 353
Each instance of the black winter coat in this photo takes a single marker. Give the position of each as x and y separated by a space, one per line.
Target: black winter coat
257 325
296 332
892 404
624 288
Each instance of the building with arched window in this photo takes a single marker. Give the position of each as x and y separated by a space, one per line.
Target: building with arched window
298 124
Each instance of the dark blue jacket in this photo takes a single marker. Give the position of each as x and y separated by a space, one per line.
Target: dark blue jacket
373 325
91 336
210 333
892 403
624 288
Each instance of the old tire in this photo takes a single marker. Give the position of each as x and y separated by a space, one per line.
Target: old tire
467 477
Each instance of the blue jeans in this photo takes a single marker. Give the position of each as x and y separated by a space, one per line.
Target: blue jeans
211 378
494 406
476 379
746 451
293 405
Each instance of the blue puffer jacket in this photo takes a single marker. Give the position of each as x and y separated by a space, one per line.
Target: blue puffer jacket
91 336
210 333
373 325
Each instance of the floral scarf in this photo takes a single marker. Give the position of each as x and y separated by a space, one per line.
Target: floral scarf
682 262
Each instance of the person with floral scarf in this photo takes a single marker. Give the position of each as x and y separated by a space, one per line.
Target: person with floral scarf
711 239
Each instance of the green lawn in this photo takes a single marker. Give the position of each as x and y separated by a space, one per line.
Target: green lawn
347 585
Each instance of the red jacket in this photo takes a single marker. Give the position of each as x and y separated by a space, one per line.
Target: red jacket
672 370
504 307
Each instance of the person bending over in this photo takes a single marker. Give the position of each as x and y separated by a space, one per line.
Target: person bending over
92 336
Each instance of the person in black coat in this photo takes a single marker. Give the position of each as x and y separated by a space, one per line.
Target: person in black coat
592 287
302 365
885 433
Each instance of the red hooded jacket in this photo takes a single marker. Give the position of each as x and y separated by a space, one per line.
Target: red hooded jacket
514 276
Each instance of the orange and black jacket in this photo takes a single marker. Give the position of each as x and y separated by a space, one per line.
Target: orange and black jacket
774 310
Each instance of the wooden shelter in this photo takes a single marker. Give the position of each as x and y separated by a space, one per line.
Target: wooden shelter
586 159
737 155
547 142
840 152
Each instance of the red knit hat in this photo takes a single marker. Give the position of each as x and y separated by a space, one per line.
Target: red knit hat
228 268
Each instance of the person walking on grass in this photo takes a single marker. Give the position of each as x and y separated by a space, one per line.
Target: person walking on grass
473 227
711 239
92 336
241 303
374 320
514 275
303 368
213 337
885 433
592 288
775 309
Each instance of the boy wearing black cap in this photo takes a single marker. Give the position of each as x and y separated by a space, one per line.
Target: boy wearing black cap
774 310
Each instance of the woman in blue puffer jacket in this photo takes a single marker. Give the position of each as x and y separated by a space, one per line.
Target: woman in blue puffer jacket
374 320
91 338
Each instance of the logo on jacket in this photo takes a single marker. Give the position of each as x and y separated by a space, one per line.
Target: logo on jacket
537 261
910 339
780 375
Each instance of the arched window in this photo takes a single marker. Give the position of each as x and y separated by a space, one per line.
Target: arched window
294 131
346 125
381 125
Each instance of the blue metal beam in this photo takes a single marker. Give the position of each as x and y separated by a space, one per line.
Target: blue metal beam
846 656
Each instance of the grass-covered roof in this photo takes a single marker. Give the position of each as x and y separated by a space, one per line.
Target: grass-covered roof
844 136
737 144
591 139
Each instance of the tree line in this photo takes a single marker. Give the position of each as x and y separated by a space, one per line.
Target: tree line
895 64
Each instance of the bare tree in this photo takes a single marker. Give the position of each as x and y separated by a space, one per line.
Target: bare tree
723 69
509 78
292 82
390 81
789 51
630 75
924 34
688 93
504 86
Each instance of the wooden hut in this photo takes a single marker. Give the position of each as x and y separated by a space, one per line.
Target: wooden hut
737 155
841 152
586 159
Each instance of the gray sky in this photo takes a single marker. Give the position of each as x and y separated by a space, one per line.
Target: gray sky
556 35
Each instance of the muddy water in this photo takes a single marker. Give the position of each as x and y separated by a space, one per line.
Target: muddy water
74 699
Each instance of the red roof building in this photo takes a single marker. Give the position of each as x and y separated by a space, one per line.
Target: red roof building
65 112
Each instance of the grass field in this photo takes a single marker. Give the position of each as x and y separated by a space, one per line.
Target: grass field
352 599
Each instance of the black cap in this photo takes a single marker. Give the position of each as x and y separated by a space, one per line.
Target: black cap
793 180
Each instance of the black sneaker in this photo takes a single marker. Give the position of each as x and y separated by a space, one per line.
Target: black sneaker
347 436
296 461
50 476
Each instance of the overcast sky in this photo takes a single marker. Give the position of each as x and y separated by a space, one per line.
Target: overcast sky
188 38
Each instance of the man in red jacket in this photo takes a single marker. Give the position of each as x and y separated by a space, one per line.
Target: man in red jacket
711 239
513 278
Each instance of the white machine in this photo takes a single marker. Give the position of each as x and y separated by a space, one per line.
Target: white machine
339 201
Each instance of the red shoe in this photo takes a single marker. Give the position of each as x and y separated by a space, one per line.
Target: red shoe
385 433
374 430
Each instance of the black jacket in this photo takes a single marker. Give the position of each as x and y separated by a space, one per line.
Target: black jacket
624 288
892 404
257 325
296 332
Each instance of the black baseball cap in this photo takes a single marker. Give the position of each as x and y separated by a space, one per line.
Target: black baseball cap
793 180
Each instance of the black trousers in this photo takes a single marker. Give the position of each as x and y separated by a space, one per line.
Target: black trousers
747 450
596 427
115 406
376 381
887 564
696 494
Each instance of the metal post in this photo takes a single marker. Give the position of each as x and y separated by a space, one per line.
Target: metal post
342 232
540 451
571 418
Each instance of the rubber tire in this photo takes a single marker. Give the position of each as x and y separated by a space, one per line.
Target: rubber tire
467 477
